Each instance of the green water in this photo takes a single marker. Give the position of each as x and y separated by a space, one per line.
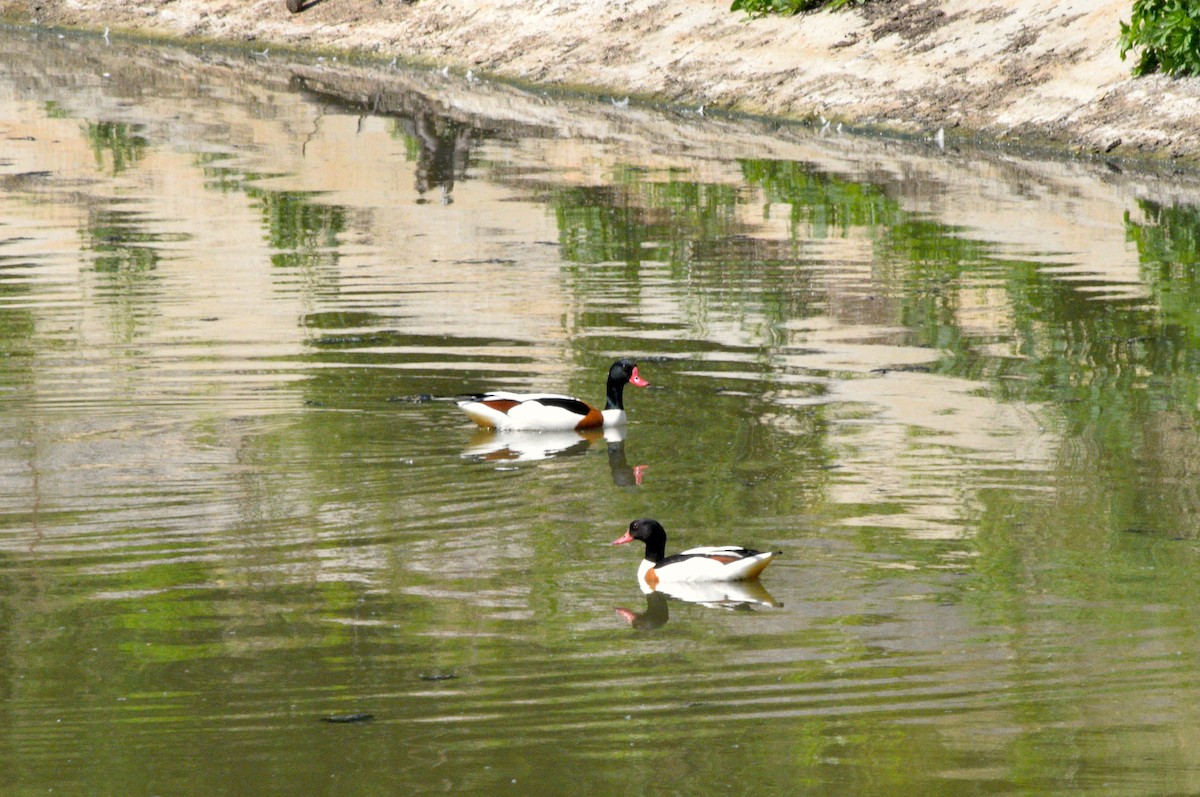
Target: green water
958 389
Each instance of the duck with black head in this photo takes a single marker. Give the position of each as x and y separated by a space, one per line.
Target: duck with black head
706 563
552 412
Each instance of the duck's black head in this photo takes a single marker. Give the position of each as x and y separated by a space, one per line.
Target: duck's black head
650 532
620 373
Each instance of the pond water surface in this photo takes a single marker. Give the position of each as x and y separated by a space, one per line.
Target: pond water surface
958 389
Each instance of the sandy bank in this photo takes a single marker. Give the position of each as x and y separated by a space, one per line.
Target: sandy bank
1012 69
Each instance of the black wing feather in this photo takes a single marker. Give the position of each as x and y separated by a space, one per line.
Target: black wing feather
737 553
569 404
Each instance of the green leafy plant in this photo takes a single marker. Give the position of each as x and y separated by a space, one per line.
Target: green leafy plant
1168 34
759 8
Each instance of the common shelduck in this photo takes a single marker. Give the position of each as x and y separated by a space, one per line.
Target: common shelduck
548 412
709 563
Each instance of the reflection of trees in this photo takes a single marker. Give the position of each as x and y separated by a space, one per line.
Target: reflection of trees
126 251
1123 376
302 232
440 139
443 151
114 143
636 220
1066 338
1168 244
126 257
18 326
825 205
122 247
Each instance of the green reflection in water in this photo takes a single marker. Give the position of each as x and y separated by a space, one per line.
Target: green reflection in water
1122 377
633 221
303 232
126 256
123 248
325 558
1167 235
306 232
819 202
17 324
116 145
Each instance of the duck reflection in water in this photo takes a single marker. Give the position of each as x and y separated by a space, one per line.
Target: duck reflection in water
489 445
656 613
741 596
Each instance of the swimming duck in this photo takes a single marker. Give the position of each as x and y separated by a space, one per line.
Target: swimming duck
549 412
708 563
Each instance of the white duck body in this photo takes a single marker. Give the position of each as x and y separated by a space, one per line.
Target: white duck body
553 412
707 563
537 412
714 563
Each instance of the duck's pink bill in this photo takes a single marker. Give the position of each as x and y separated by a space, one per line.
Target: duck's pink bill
626 538
636 380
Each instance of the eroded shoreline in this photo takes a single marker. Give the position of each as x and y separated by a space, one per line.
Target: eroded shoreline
1011 71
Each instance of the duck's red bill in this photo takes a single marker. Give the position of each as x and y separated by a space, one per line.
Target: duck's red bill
627 538
636 380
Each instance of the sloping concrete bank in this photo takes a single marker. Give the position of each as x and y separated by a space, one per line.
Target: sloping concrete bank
1026 70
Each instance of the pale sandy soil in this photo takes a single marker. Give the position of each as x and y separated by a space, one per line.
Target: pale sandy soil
1025 70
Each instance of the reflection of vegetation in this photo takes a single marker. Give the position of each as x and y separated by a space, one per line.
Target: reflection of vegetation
302 232
54 110
440 147
127 256
115 145
696 228
1168 244
819 200
637 220
17 324
122 247
1168 235
1122 376
1067 340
